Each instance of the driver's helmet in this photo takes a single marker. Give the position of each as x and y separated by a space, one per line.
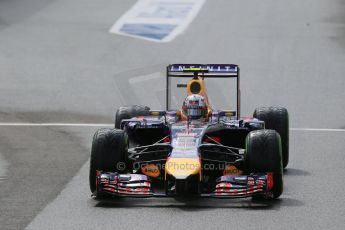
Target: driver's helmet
194 107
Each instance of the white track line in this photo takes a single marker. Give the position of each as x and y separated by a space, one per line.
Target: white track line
316 129
57 124
112 125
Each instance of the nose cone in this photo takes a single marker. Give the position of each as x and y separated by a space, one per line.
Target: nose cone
181 168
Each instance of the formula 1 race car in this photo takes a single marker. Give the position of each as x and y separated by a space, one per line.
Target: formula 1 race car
196 150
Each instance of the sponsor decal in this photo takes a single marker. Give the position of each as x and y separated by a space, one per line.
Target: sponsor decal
151 170
210 67
251 181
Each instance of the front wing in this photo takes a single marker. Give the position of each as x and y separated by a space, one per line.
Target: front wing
138 185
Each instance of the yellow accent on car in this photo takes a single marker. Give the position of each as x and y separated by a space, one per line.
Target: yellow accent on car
195 69
229 114
154 113
231 170
201 84
151 170
181 168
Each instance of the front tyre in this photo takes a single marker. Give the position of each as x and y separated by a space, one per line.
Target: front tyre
264 154
276 118
109 150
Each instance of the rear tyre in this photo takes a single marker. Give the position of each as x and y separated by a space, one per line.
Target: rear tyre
263 154
108 153
276 118
127 112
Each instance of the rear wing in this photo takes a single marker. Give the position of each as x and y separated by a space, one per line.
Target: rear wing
204 71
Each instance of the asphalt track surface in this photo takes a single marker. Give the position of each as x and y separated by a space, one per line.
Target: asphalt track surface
58 63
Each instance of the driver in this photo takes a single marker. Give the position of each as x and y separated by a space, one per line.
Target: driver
194 107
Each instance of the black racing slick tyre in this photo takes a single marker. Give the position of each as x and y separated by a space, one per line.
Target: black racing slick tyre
108 153
263 154
127 112
276 118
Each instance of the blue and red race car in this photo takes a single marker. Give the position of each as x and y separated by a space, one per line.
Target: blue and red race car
195 150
